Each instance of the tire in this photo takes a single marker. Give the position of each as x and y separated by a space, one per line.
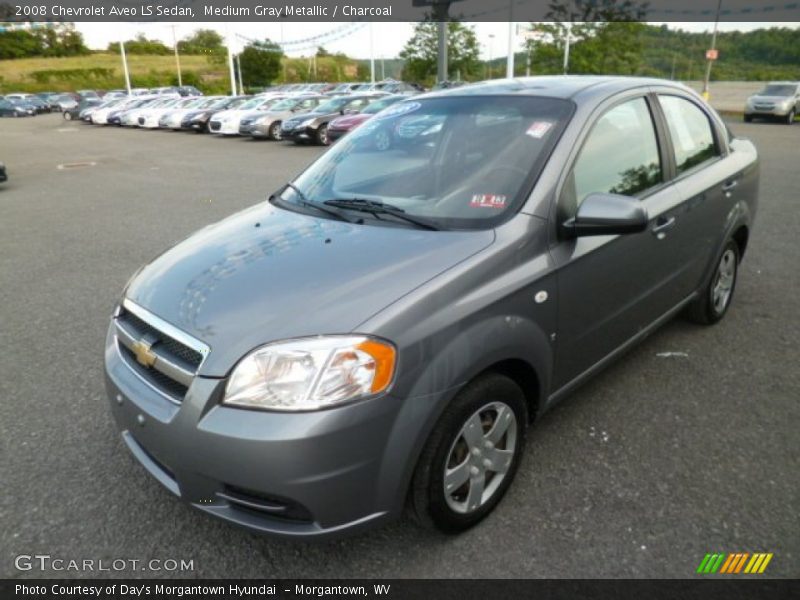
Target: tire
275 131
68 116
717 294
790 117
748 118
488 400
322 135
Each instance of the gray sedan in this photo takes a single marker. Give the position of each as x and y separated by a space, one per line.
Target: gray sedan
383 331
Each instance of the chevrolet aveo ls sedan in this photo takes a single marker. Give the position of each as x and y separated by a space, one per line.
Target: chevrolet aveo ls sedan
381 333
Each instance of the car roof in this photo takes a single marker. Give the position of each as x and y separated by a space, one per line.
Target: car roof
557 86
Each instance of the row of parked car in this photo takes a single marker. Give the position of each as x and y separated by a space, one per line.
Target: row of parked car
297 113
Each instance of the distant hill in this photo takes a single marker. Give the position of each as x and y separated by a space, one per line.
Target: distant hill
758 55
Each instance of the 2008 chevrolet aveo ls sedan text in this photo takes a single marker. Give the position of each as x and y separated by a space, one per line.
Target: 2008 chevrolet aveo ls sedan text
381 333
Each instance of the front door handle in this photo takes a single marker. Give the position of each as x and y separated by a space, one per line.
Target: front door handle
662 225
729 185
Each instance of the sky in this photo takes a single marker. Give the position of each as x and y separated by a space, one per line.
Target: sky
386 39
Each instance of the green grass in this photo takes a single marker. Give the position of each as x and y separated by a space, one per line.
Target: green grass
104 71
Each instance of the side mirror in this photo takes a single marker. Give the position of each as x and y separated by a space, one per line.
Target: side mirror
607 214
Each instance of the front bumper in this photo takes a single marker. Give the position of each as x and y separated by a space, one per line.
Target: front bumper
313 474
301 134
766 111
335 134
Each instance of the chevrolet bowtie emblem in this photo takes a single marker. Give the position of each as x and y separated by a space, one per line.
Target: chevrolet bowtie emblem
144 355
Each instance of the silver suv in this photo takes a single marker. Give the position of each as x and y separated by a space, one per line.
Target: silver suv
778 100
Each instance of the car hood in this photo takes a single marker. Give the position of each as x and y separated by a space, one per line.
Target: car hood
349 121
268 274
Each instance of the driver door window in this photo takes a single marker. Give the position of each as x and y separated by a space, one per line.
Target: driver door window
620 156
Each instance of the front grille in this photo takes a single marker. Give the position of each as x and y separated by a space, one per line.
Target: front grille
170 346
169 358
164 384
214 125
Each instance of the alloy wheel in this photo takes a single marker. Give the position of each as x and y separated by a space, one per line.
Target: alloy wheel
723 281
480 457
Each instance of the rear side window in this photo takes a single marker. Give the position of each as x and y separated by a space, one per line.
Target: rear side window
620 156
691 132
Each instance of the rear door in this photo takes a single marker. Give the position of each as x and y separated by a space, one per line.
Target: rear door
705 178
612 287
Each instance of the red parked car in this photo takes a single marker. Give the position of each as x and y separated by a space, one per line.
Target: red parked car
341 125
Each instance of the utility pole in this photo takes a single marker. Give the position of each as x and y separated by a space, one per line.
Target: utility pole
491 47
510 57
125 66
371 54
230 61
239 68
566 48
441 9
711 54
177 56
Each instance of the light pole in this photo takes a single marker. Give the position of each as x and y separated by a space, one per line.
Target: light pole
125 67
566 48
510 57
177 56
711 54
491 48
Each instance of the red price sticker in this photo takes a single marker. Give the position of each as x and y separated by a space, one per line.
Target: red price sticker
488 201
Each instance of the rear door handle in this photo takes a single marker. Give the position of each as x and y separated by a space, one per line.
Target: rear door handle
662 225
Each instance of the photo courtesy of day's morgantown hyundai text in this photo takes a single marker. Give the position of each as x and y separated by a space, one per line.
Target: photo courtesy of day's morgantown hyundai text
381 333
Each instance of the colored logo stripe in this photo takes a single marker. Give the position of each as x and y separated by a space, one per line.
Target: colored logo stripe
734 563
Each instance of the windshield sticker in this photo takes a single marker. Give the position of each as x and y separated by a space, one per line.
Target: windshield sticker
395 110
538 129
488 201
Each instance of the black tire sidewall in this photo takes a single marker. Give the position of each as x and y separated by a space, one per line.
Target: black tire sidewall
428 495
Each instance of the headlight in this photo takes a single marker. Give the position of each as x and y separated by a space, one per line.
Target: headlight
311 373
306 123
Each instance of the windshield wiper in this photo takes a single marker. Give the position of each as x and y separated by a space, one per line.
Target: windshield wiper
304 201
376 207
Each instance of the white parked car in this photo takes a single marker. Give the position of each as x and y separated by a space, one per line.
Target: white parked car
149 118
227 122
173 118
100 116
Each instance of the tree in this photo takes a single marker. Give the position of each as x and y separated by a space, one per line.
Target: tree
261 63
322 52
421 51
202 41
141 45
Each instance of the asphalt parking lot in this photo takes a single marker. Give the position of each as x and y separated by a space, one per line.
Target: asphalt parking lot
640 473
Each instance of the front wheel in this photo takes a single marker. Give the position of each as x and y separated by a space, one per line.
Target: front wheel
716 297
790 117
471 457
748 118
68 116
322 135
275 131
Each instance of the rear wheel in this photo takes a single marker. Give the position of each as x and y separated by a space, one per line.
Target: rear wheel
748 118
471 457
322 135
790 117
717 295
275 131
68 116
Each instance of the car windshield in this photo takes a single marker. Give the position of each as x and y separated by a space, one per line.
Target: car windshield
379 105
778 90
461 161
332 106
250 104
287 104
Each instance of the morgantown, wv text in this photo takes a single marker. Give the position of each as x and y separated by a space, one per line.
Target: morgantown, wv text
232 590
